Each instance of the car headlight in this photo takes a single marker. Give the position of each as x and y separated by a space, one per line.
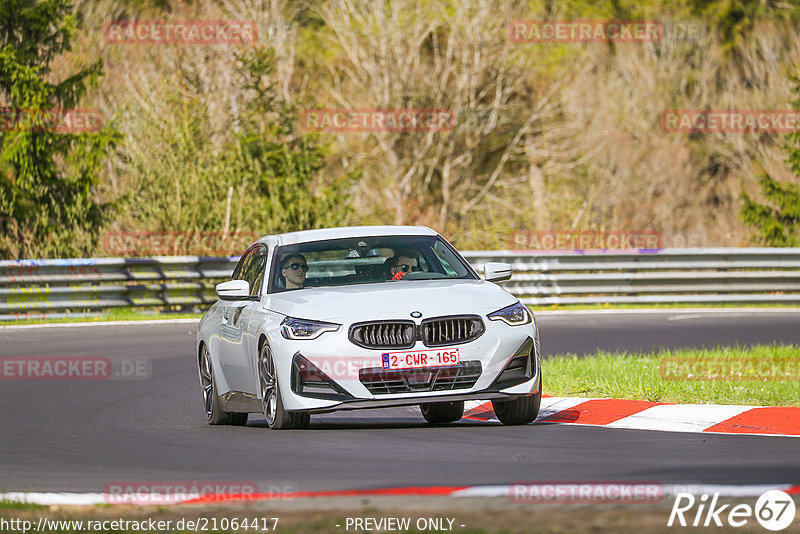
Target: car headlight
514 315
293 328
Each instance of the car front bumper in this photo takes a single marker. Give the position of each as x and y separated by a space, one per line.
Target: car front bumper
341 361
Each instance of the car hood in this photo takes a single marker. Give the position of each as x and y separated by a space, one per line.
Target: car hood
391 300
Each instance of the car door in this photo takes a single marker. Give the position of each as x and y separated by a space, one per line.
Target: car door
235 353
250 320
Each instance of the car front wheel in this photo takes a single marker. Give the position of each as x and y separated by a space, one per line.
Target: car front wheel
442 412
272 406
520 411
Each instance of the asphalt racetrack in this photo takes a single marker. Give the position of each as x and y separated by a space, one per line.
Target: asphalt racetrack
79 436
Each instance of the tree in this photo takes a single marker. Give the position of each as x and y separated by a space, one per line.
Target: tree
286 165
249 170
47 175
778 223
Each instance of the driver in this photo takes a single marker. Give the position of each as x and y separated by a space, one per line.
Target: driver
402 263
294 268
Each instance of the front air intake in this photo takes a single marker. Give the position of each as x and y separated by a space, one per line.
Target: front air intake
451 330
384 334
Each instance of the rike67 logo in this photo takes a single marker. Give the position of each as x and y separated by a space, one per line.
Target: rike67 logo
774 510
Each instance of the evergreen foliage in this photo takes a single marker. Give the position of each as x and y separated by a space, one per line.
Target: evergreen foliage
271 172
47 205
778 221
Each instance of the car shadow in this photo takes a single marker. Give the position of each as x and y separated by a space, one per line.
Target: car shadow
382 425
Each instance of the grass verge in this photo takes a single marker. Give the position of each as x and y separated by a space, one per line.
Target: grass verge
765 375
116 314
141 314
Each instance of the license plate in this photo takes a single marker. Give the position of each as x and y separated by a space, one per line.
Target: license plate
418 359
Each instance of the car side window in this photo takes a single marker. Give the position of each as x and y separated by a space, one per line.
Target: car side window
254 272
251 268
240 267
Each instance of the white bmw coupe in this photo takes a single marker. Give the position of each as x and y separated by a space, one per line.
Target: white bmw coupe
365 317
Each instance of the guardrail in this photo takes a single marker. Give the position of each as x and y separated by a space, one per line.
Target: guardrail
701 275
32 288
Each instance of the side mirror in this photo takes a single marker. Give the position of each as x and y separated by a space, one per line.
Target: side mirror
234 290
496 272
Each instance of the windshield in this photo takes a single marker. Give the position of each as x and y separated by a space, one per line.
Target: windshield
366 260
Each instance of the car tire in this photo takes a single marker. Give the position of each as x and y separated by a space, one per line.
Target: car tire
440 413
301 419
519 411
276 416
215 415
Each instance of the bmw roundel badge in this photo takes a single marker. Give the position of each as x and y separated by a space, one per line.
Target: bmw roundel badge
416 314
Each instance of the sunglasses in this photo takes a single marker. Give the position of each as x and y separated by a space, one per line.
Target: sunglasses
296 266
406 268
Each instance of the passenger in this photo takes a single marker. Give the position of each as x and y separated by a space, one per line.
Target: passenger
402 263
294 268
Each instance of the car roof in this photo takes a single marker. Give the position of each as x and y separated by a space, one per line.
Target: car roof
304 236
